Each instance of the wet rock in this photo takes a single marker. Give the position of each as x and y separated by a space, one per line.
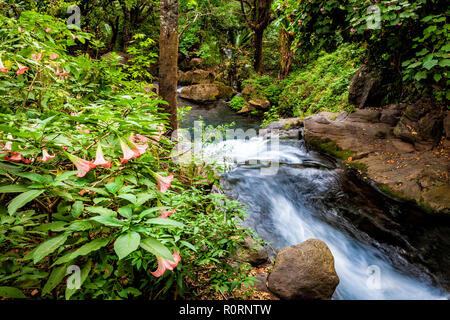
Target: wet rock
285 124
406 130
430 127
365 88
304 272
254 253
417 110
342 116
200 93
195 77
247 108
438 198
225 92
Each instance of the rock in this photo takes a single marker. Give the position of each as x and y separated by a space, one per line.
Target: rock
438 198
195 77
260 103
285 124
405 130
200 92
402 147
247 108
430 127
304 272
446 125
365 88
364 115
390 116
153 88
253 253
249 91
417 110
195 62
225 92
342 116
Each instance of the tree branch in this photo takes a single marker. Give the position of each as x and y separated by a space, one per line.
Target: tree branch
188 25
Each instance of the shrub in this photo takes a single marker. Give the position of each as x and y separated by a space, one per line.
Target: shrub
237 103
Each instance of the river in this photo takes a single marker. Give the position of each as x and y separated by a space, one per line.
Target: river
383 248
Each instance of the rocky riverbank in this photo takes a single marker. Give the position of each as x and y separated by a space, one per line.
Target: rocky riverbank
399 147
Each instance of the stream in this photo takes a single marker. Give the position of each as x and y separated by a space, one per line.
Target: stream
383 248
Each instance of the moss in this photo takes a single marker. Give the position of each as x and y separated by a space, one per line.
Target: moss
330 147
358 166
422 205
390 192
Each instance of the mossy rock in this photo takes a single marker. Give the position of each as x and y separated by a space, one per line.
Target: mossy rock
225 92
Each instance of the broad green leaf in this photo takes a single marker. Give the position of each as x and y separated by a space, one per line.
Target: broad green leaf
32 176
126 211
13 188
165 222
83 276
102 211
129 197
47 247
109 221
444 63
112 187
430 64
77 209
152 210
126 244
157 248
11 292
52 226
81 225
94 245
55 278
65 175
22 199
190 246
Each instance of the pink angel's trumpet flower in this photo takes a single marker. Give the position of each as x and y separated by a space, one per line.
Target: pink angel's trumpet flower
7 147
53 56
36 56
46 156
82 165
17 157
128 153
2 67
22 69
100 158
165 264
74 37
138 138
165 213
80 129
164 183
21 29
157 137
48 30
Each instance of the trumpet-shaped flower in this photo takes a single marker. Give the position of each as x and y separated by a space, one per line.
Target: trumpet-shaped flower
21 69
80 129
2 67
46 156
165 264
36 56
53 56
165 213
82 165
164 183
128 153
100 158
48 30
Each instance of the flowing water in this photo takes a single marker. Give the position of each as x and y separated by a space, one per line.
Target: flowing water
383 249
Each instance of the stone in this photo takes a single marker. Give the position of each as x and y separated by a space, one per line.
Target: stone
196 77
364 115
431 126
404 130
253 253
446 125
390 116
402 147
304 272
225 92
438 198
285 124
200 93
417 110
260 103
195 62
365 88
247 108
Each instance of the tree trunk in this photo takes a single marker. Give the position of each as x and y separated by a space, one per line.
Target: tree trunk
168 58
258 43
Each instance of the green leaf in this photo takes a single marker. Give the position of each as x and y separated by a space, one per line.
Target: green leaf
126 244
430 64
157 248
65 175
437 77
444 63
77 209
13 188
109 221
56 226
420 75
129 197
151 210
102 211
83 276
22 199
165 222
94 245
126 212
32 176
81 225
189 245
11 292
47 247
55 278
112 187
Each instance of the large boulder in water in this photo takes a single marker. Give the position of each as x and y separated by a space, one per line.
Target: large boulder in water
304 272
196 77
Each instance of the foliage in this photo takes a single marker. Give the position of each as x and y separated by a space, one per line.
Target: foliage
108 218
237 103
